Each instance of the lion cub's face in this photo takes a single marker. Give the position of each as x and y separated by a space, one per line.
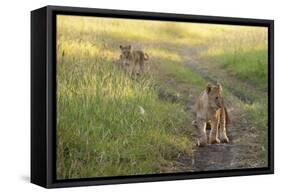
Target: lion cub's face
126 51
215 98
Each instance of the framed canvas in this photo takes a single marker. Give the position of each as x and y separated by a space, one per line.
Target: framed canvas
126 96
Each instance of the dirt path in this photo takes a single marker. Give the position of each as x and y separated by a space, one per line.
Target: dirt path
244 144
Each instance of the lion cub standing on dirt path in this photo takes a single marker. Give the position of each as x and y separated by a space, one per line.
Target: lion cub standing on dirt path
132 58
210 108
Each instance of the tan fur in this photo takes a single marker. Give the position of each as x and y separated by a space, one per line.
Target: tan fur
210 108
133 58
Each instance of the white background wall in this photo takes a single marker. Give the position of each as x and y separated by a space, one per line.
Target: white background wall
15 94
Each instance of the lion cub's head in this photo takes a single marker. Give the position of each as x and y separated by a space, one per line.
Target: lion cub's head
126 51
214 93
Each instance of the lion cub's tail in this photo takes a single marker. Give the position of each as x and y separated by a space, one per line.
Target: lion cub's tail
227 119
146 57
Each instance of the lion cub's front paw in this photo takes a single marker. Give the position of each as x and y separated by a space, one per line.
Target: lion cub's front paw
214 141
225 139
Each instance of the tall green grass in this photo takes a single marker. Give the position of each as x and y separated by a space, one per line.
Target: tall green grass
250 66
101 129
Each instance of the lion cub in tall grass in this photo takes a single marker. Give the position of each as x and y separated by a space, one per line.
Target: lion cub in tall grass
210 108
132 58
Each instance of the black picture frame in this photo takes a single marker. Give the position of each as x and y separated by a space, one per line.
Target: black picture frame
43 95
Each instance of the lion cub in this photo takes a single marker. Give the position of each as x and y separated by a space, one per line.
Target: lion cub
210 108
132 58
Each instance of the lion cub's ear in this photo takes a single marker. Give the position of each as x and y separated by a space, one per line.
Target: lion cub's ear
121 47
208 88
219 86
